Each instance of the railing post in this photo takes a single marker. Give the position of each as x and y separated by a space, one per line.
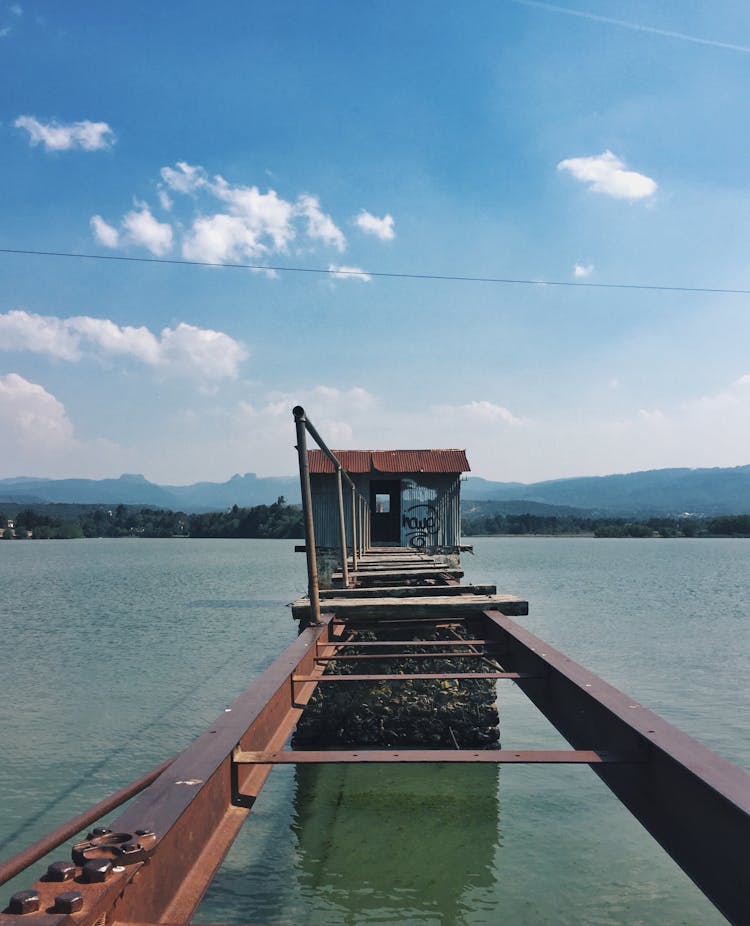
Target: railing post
354 529
342 528
304 478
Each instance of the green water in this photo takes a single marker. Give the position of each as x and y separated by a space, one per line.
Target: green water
116 653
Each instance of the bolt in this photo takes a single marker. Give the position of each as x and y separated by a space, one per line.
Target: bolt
61 871
69 902
24 902
144 832
96 870
98 831
129 847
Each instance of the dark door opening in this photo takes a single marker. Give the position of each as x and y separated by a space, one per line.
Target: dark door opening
385 508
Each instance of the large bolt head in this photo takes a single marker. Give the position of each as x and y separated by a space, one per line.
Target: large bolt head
96 870
25 902
69 902
61 871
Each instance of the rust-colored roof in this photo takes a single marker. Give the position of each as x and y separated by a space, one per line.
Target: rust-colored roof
391 461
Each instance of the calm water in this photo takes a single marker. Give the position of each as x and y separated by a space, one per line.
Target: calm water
116 653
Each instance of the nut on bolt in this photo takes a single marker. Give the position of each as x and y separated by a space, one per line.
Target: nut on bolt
96 870
69 902
61 871
24 902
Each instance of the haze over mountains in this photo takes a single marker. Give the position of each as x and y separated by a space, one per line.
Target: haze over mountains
653 492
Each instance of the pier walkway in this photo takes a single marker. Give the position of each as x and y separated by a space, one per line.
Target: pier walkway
402 613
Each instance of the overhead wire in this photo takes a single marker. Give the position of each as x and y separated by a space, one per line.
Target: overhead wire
382 274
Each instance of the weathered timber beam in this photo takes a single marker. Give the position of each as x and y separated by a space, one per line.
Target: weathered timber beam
693 802
409 591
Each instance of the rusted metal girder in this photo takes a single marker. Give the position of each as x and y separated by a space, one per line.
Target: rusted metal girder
194 808
496 756
693 802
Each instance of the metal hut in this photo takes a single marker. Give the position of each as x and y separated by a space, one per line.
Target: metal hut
414 499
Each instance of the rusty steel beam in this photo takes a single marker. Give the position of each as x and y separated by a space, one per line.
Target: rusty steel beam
471 654
195 808
457 642
408 677
693 802
497 756
57 837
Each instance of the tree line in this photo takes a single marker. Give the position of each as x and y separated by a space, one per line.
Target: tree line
278 520
735 525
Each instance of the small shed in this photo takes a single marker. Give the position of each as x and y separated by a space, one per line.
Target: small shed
414 496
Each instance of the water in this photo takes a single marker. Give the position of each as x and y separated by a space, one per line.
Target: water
117 652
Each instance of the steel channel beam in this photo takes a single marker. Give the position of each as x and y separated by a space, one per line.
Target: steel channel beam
407 677
693 802
196 806
496 756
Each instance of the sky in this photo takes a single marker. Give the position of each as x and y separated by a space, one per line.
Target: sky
380 147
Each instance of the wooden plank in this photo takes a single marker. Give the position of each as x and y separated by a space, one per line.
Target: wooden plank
424 607
408 591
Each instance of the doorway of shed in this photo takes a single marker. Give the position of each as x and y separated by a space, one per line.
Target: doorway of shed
385 508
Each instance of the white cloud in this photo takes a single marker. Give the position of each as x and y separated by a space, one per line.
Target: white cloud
348 273
248 223
264 214
143 229
39 334
581 271
320 225
165 200
214 354
372 225
220 239
59 136
5 31
479 410
185 349
29 415
104 233
16 9
185 179
606 173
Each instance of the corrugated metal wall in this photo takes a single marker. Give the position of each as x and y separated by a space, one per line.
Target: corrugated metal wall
430 509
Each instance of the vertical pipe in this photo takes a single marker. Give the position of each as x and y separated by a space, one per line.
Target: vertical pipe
354 529
342 528
304 478
361 530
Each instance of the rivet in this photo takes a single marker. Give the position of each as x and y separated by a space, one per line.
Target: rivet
96 870
69 902
144 832
61 871
24 902
99 831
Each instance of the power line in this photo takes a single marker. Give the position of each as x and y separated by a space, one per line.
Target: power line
339 272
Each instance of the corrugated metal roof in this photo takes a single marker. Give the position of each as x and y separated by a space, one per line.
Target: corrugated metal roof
391 461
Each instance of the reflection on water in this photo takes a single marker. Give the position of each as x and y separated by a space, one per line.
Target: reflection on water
396 843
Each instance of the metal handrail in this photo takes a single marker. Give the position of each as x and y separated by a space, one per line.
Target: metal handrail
359 509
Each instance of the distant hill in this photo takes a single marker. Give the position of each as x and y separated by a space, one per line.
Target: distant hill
669 492
657 491
245 491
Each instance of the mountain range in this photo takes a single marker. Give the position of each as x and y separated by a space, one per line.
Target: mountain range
652 492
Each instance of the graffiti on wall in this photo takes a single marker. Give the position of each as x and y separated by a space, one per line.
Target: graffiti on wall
420 522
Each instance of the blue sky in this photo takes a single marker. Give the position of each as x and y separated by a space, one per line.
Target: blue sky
591 142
